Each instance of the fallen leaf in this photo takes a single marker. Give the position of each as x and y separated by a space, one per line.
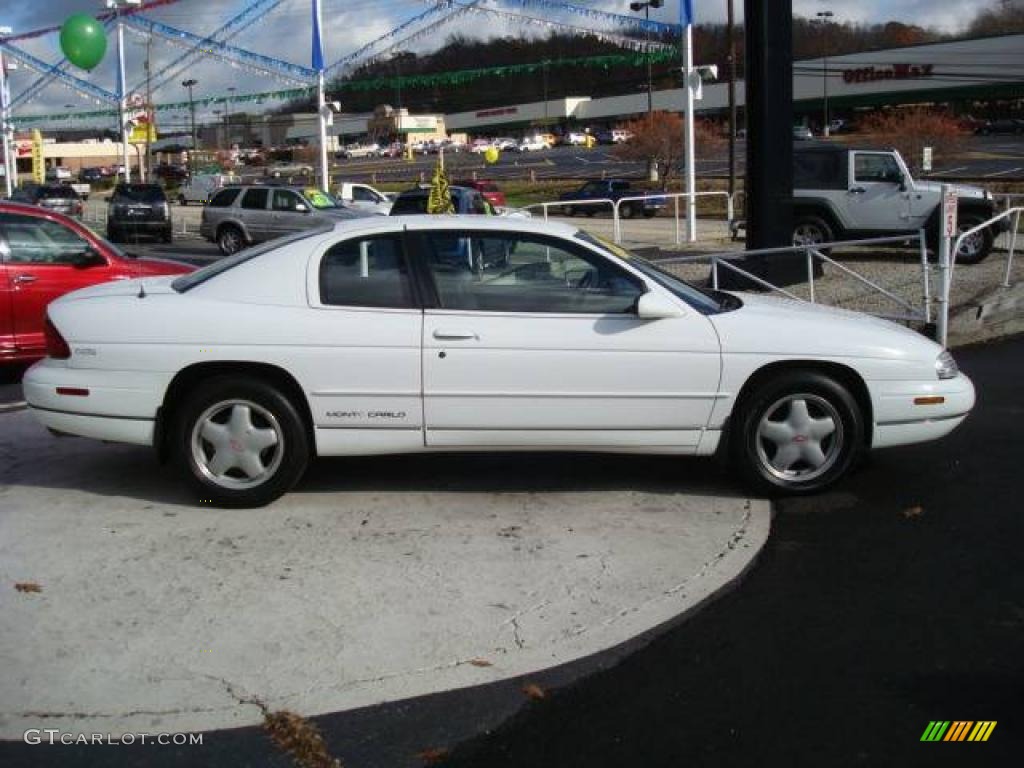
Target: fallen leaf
27 586
480 663
299 738
534 691
432 756
910 512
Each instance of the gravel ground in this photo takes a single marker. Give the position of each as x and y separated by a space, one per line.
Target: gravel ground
898 270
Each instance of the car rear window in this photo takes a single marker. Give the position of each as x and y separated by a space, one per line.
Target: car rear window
200 276
818 170
416 203
140 193
57 193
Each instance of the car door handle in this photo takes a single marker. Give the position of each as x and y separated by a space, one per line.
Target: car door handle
858 191
25 278
443 335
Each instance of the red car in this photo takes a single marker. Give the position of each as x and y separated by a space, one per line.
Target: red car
43 255
488 189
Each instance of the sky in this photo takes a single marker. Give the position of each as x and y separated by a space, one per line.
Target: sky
284 33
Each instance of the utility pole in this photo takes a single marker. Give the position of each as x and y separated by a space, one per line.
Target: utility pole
122 96
146 170
645 6
10 168
192 111
825 16
324 111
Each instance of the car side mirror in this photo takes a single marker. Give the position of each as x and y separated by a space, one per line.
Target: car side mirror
655 306
301 208
86 258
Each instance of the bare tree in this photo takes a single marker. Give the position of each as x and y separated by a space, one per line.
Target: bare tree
660 137
911 130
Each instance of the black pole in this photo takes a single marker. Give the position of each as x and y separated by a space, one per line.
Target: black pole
731 33
769 182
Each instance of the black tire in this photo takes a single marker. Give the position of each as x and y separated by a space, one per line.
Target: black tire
230 239
756 445
977 247
167 236
627 211
589 211
569 210
650 213
182 201
811 230
215 402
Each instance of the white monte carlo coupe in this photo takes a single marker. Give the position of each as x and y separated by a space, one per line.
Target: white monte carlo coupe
449 333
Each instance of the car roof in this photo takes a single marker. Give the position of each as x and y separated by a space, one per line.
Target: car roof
420 222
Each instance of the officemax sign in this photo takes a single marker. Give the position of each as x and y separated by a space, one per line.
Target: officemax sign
895 72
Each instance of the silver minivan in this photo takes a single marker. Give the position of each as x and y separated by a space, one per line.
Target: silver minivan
239 216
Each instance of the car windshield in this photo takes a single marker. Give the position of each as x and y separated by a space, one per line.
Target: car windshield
707 302
200 276
140 193
320 199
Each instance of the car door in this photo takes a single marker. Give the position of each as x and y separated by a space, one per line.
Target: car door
877 199
535 342
361 366
254 213
39 259
289 213
7 345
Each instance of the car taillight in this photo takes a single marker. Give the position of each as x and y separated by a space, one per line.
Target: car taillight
56 347
78 206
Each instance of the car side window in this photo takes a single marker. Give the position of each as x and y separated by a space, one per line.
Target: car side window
285 200
363 195
255 199
875 167
34 240
526 273
366 272
224 198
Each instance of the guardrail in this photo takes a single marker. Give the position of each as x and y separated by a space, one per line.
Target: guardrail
615 206
811 253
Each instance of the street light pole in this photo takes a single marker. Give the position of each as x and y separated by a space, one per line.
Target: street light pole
731 33
645 6
825 16
192 112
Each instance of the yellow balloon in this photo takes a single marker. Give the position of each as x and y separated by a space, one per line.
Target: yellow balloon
491 154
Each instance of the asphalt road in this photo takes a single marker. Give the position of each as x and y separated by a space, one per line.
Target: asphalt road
1000 158
893 601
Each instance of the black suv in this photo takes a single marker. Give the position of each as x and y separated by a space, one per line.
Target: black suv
137 210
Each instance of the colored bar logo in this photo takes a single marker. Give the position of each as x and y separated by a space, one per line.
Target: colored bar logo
958 730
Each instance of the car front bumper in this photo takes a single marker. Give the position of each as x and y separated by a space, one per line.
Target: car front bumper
915 412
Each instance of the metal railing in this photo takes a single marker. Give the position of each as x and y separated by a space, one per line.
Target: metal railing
615 206
913 313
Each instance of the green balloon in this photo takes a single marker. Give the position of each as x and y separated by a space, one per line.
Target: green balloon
83 41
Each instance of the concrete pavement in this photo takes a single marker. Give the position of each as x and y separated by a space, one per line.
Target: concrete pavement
376 580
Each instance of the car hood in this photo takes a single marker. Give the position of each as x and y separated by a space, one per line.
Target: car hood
342 213
961 190
787 327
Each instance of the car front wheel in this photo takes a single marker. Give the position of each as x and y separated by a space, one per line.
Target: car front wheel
977 246
241 442
797 433
811 230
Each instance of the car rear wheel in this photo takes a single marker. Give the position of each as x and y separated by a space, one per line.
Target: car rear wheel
241 442
230 240
649 213
811 230
799 432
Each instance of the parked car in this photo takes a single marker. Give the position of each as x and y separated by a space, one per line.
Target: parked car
90 175
171 172
1007 126
61 198
203 186
479 146
464 200
243 215
612 189
139 210
58 173
45 255
350 151
363 197
575 139
802 133
504 143
842 193
533 144
365 338
488 189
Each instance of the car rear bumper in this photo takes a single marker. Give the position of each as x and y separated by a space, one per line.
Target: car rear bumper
142 227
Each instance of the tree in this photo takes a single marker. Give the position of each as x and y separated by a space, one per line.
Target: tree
660 137
911 130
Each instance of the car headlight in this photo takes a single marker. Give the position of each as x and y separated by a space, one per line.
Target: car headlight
945 366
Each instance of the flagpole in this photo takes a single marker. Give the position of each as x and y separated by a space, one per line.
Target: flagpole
322 109
691 175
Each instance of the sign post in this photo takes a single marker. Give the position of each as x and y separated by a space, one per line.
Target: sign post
945 259
926 159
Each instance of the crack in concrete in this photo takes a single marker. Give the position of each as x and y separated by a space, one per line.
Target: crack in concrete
44 715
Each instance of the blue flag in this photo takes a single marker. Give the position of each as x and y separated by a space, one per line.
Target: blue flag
318 46
685 12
